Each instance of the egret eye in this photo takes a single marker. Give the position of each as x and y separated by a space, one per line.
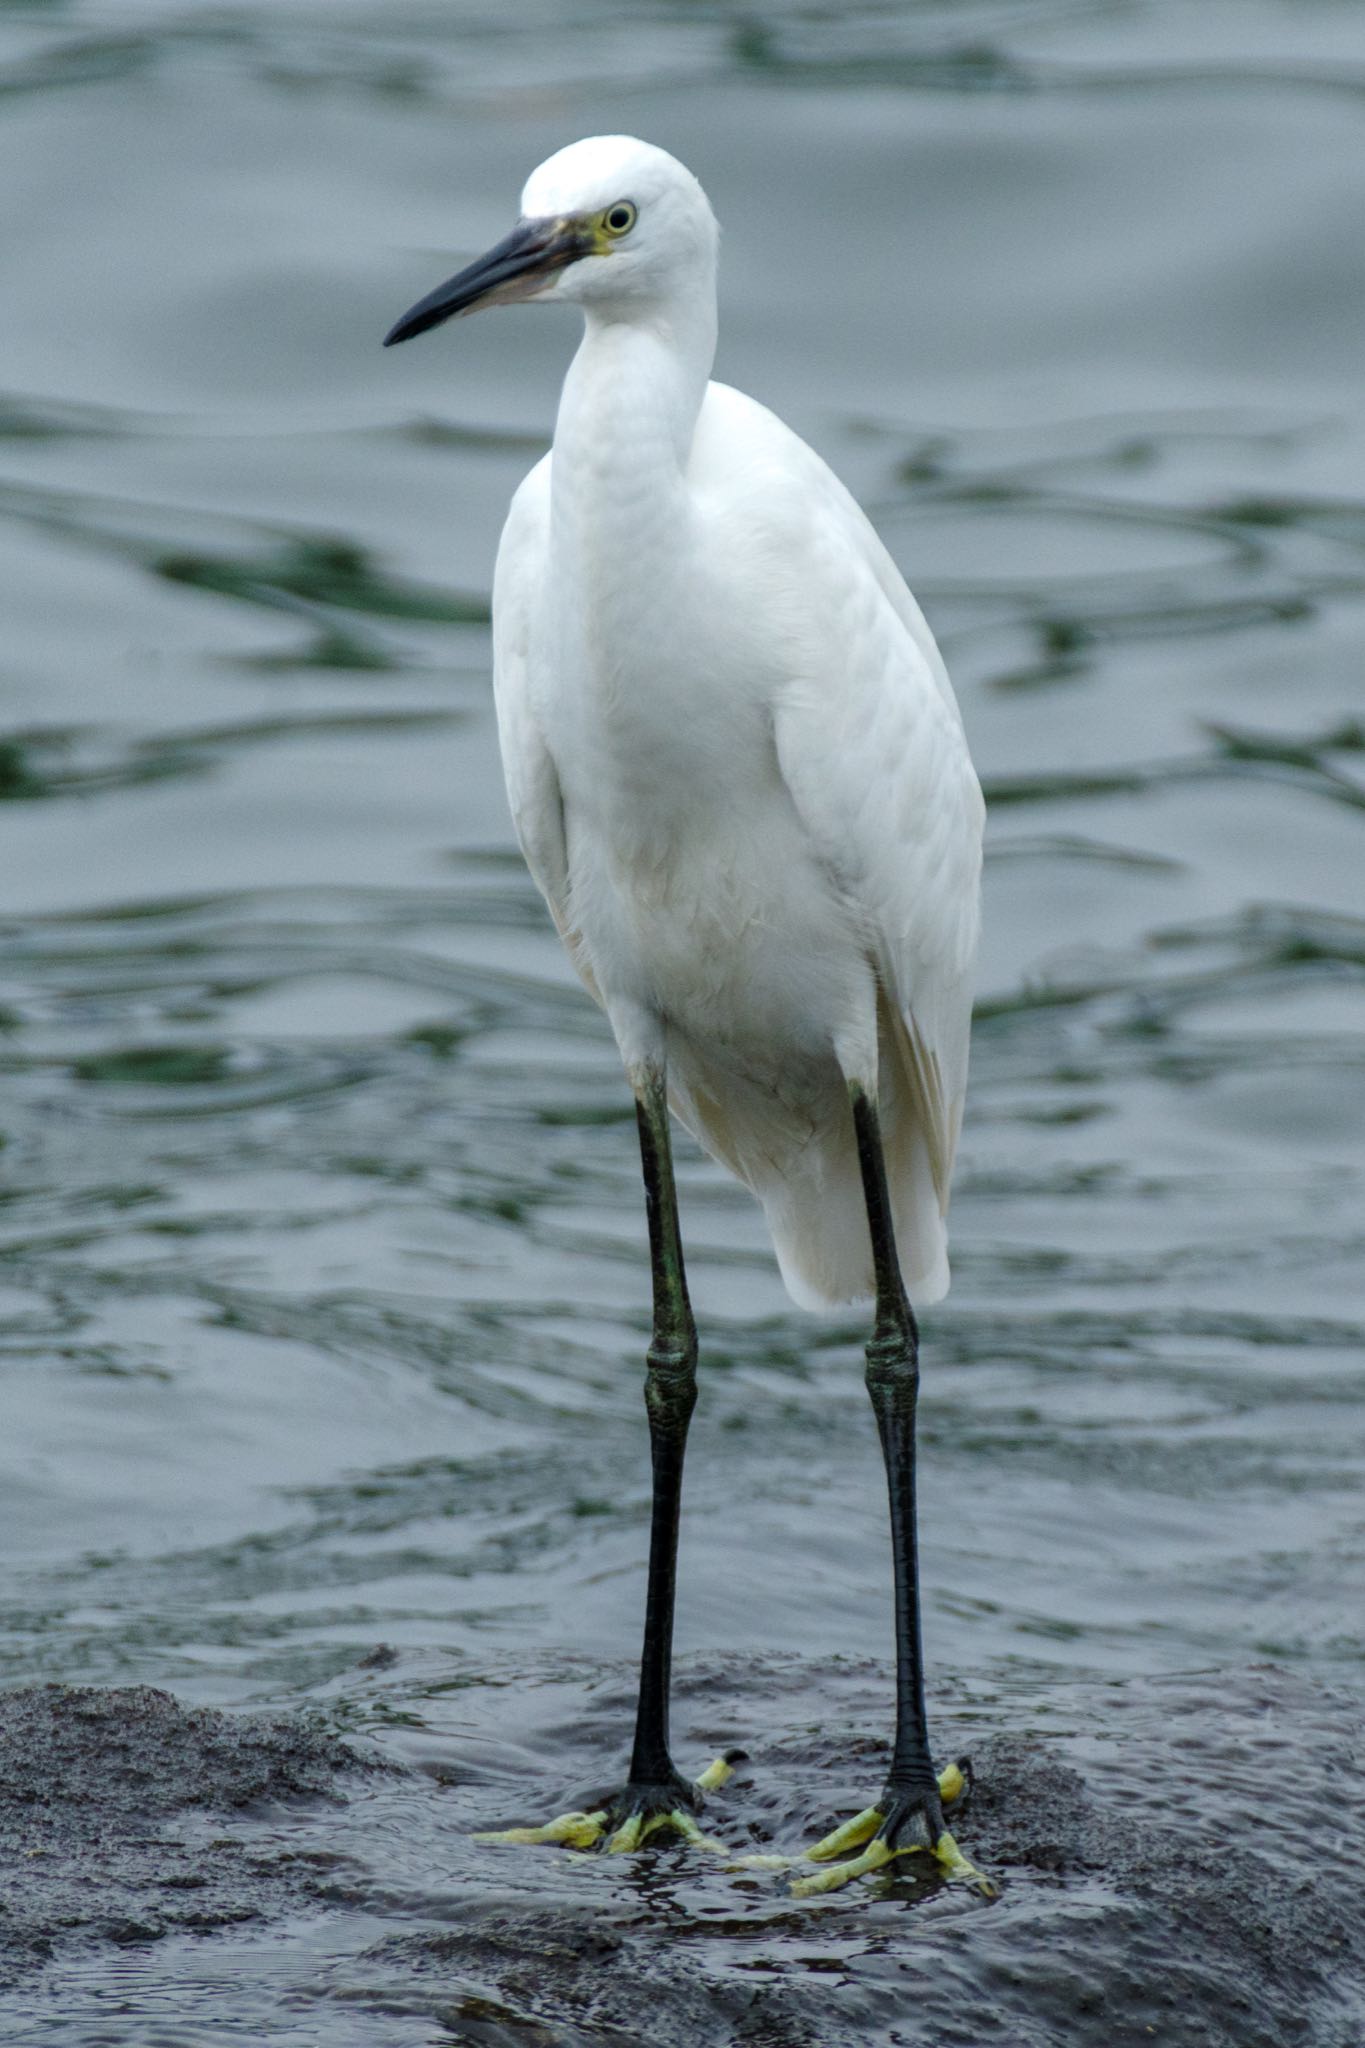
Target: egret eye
619 219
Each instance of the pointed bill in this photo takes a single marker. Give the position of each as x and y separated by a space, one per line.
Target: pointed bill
520 266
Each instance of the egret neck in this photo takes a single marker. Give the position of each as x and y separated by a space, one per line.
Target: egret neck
623 436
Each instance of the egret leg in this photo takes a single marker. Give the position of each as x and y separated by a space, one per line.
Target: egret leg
670 1397
655 1795
909 1814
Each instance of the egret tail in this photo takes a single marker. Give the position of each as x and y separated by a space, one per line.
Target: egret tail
791 1140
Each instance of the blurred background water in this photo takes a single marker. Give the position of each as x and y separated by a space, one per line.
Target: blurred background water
323 1279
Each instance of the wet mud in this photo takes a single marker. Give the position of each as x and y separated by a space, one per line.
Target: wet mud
104 1796
1179 1861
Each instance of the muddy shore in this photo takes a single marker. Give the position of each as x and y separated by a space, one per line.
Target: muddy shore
1179 1862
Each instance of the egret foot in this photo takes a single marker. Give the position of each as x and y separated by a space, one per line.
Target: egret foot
904 1822
638 1811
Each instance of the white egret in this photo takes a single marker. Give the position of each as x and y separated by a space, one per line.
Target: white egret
738 775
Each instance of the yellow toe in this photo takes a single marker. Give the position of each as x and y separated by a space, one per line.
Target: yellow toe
873 1857
951 1783
573 1830
636 1831
957 1867
878 1854
851 1835
628 1836
692 1834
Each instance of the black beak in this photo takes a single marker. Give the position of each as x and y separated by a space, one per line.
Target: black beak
519 267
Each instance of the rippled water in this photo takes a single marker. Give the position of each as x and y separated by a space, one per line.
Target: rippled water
323 1282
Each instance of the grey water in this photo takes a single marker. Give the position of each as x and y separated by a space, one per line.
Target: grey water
321 1246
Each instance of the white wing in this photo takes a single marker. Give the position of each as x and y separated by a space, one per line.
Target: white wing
533 790
870 744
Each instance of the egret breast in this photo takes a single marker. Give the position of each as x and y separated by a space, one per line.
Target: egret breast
698 895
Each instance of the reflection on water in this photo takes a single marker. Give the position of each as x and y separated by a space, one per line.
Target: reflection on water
322 1285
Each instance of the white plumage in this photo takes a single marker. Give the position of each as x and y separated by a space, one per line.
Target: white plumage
734 758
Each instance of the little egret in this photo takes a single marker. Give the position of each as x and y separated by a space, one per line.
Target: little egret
739 778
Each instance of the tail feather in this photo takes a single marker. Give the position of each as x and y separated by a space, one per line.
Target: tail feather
794 1146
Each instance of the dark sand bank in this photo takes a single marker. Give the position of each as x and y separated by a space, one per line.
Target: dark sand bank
1180 1862
103 1796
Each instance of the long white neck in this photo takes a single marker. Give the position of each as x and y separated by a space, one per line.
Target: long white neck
626 420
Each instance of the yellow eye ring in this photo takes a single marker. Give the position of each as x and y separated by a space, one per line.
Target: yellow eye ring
621 218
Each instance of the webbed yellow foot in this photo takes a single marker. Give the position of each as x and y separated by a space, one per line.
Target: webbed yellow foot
636 1830
573 1830
638 1812
879 1852
884 1829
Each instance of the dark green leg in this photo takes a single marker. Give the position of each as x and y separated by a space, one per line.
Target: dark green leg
909 1814
655 1795
670 1396
893 1384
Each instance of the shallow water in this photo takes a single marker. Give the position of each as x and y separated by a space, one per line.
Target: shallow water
323 1283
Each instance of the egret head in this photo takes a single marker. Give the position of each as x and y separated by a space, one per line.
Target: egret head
610 223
